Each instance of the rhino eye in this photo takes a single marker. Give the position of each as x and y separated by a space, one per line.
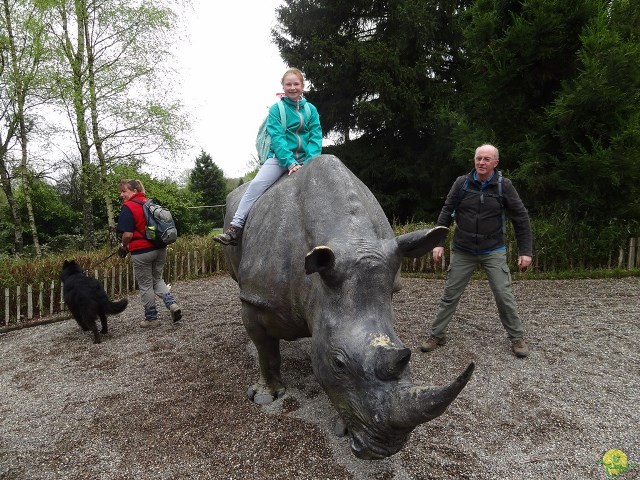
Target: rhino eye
339 363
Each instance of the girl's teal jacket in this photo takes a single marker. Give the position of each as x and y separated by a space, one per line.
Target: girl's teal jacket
302 138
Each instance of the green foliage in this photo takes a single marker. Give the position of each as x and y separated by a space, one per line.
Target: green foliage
517 56
410 87
207 180
64 243
560 253
135 100
592 158
555 85
6 226
53 217
374 66
166 193
564 245
378 70
58 213
28 271
249 176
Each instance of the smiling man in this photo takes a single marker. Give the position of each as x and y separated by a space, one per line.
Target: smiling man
480 202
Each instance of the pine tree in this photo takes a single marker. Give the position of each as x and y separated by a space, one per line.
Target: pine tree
208 180
377 71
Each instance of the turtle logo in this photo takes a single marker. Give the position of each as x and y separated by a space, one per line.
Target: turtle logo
615 463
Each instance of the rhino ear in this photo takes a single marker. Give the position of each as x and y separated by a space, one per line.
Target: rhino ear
420 242
319 259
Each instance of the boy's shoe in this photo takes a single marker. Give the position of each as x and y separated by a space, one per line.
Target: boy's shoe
149 323
520 348
176 313
432 344
230 237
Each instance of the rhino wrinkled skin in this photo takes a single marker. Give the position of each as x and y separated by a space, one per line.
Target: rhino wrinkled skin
318 258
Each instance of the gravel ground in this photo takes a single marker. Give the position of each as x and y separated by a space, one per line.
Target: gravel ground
171 404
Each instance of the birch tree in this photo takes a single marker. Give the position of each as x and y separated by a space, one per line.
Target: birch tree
21 53
120 111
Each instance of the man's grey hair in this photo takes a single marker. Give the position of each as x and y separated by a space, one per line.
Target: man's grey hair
495 149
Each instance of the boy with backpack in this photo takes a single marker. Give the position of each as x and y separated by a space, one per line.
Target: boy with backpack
290 137
479 203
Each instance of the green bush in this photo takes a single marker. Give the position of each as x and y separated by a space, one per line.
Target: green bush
565 245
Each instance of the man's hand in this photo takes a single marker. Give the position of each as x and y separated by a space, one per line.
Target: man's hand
437 254
524 261
122 252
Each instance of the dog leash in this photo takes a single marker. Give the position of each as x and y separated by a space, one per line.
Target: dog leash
105 259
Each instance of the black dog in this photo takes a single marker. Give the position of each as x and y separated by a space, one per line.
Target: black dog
86 299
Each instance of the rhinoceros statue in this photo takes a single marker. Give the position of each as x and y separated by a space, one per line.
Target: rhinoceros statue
318 258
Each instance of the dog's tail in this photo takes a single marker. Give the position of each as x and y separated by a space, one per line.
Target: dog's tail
116 307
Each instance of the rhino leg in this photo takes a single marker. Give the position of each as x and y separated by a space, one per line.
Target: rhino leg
340 428
269 386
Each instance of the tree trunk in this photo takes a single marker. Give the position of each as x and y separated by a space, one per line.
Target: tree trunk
76 62
12 124
26 186
21 95
97 139
5 179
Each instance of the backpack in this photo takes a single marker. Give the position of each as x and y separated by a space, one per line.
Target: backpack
263 139
161 229
463 190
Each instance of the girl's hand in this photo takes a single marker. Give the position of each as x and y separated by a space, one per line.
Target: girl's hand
293 169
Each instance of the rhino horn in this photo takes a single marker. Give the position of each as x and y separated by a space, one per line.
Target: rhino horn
391 361
417 405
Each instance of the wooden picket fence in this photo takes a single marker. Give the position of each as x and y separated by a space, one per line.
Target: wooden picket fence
633 258
44 303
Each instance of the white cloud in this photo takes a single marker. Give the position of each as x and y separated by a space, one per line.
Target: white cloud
230 75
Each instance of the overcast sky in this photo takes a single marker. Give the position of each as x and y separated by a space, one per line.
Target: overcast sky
230 75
